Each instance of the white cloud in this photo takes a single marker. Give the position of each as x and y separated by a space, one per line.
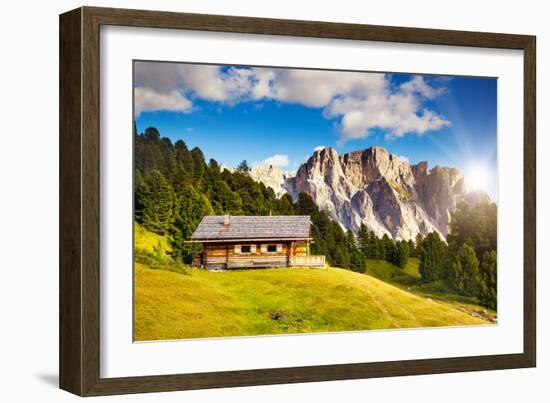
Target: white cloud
359 102
261 83
201 81
146 100
319 148
398 113
279 160
317 88
418 85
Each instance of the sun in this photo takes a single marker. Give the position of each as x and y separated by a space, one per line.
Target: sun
477 177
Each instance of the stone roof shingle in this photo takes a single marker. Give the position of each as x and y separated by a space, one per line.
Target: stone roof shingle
253 227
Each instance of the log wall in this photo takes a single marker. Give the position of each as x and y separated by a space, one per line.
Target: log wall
226 256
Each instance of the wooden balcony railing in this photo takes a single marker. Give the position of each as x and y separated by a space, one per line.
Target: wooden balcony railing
307 261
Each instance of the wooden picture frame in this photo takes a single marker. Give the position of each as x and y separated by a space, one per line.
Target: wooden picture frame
79 346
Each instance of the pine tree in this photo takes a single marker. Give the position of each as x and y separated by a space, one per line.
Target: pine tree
284 205
402 254
387 250
433 258
363 241
418 244
229 201
356 257
152 135
139 188
243 166
305 205
374 246
213 167
157 200
191 207
199 165
340 256
252 197
465 271
412 248
476 226
169 164
488 280
185 162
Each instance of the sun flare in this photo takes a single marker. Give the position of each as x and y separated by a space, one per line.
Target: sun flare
477 177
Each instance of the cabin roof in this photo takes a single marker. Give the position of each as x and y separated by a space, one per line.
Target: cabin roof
242 228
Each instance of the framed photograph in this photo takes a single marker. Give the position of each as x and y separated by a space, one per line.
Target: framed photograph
249 201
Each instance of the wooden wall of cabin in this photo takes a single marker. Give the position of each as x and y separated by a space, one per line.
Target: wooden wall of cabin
227 256
215 255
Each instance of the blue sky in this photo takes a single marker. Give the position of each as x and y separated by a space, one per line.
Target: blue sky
281 115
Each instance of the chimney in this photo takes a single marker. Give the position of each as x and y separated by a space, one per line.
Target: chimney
226 220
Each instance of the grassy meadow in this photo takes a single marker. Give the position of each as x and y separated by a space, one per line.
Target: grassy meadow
147 241
409 280
173 301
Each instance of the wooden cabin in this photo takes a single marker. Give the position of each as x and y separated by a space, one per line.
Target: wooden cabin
236 242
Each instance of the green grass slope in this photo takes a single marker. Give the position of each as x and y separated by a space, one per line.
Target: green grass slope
198 303
147 241
408 279
389 272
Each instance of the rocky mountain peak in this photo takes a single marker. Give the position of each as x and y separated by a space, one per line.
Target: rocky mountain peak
322 158
420 170
272 176
375 188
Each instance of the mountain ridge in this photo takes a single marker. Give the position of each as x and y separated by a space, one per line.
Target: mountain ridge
376 188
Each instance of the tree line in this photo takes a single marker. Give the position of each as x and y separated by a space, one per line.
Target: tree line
467 262
174 187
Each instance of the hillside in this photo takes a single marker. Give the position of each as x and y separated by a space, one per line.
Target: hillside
150 242
409 279
197 303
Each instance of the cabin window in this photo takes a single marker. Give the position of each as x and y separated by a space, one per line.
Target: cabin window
271 248
246 249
